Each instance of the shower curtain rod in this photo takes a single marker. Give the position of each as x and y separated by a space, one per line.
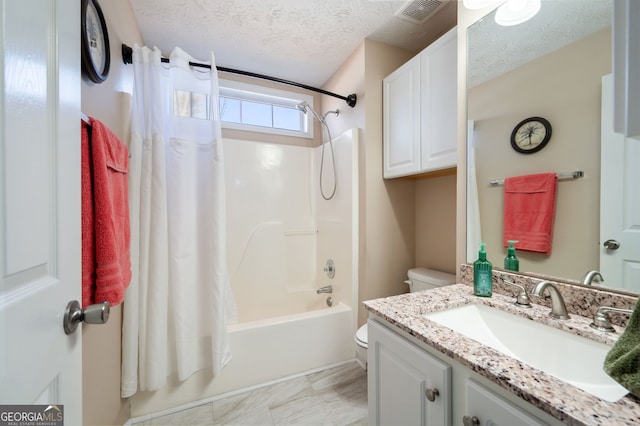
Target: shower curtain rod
127 58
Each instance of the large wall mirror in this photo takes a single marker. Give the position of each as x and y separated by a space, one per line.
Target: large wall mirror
551 66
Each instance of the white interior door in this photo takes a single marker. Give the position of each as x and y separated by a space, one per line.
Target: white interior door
619 201
40 203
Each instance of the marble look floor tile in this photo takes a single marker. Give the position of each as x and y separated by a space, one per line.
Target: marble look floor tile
309 410
240 410
346 402
280 393
336 376
361 422
336 397
202 415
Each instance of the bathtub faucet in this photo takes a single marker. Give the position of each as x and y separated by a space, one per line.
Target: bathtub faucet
325 289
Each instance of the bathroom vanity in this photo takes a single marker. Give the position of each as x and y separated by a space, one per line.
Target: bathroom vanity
423 372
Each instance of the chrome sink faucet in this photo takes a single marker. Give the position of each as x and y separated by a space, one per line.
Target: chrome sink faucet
558 308
592 277
601 319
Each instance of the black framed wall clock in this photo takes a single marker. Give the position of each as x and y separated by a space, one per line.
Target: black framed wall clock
96 56
531 135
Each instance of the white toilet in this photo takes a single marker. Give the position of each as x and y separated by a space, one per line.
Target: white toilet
419 279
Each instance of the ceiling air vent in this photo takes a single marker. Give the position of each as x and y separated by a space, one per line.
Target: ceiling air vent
417 11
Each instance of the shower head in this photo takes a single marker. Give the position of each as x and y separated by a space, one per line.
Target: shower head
302 106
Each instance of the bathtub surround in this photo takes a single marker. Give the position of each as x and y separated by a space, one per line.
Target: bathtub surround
176 308
281 232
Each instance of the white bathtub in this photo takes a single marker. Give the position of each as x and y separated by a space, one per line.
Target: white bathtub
271 349
263 351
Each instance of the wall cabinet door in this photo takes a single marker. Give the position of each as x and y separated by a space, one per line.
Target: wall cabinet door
401 120
439 110
406 385
626 67
490 409
420 111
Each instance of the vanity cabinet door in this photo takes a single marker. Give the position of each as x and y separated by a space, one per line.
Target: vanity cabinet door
406 385
491 409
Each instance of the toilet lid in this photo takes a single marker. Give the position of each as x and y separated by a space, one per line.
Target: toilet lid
362 335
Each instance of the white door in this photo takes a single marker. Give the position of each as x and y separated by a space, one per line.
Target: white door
40 203
619 201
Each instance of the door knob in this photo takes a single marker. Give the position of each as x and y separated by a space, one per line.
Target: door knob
611 245
92 314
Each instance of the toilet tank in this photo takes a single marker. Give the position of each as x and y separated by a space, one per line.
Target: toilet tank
426 279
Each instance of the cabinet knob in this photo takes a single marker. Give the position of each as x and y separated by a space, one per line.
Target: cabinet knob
431 394
470 421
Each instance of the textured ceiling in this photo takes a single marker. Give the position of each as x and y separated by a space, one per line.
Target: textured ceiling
299 40
494 50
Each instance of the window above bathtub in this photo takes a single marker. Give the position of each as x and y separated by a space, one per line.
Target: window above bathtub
256 108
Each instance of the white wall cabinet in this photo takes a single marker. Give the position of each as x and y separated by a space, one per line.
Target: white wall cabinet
420 111
401 370
406 385
626 67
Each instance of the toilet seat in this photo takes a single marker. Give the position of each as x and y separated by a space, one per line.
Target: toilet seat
362 337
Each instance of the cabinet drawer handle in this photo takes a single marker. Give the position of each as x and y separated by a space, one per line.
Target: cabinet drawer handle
431 394
470 421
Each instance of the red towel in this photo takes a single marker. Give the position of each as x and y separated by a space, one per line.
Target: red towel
88 236
529 211
110 225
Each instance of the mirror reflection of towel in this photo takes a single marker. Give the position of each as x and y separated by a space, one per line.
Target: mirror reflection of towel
529 211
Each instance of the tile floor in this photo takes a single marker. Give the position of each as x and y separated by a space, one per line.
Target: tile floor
337 396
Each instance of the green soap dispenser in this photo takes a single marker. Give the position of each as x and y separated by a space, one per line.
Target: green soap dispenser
482 283
511 262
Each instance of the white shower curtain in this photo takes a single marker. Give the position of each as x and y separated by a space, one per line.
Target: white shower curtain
179 301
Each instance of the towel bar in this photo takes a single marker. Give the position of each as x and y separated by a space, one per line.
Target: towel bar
568 175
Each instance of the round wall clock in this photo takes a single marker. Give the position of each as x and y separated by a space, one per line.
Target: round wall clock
531 135
96 56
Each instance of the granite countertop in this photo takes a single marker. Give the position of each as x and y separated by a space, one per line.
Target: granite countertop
561 400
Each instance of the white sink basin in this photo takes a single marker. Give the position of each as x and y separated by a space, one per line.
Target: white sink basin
568 357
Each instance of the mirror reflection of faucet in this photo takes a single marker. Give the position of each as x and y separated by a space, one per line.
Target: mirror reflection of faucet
592 277
325 289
